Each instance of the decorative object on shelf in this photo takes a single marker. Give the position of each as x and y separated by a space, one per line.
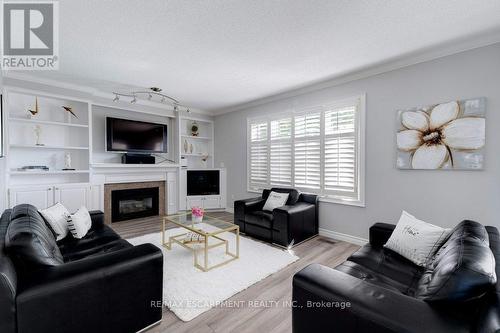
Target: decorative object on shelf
70 111
67 162
32 113
190 148
37 130
442 136
197 214
186 146
204 159
192 237
33 168
194 128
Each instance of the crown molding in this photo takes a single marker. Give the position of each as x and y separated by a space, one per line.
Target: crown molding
410 59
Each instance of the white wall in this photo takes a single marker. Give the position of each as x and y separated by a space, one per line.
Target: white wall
440 197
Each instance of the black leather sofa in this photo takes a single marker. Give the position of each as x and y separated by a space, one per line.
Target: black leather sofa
100 283
457 292
286 225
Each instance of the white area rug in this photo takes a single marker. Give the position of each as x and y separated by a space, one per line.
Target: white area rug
189 292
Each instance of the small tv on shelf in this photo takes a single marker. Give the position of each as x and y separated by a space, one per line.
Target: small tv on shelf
132 136
203 182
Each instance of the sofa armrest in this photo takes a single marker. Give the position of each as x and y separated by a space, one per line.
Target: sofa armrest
380 234
298 208
294 223
241 207
97 218
116 292
324 297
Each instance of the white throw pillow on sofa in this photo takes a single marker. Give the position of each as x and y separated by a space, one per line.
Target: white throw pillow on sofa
275 200
416 240
56 217
79 223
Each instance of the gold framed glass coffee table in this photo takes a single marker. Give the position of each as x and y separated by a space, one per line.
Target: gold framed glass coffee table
201 237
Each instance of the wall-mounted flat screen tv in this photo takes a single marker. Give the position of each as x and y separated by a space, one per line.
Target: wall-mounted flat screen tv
123 135
203 182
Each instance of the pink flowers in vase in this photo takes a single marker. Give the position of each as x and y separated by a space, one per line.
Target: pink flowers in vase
197 214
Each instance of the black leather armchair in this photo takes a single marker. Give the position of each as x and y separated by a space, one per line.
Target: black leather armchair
100 283
377 290
286 225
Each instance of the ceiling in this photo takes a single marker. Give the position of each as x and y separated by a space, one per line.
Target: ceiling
217 54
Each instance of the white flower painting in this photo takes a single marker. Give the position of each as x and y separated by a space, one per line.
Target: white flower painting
442 136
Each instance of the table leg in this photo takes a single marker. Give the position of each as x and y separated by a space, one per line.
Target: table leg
163 232
206 254
238 243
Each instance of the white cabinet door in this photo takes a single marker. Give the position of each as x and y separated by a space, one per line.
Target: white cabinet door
72 196
96 197
39 196
211 202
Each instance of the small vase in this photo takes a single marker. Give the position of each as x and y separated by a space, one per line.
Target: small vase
197 219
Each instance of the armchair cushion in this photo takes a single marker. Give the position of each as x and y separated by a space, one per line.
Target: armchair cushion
261 218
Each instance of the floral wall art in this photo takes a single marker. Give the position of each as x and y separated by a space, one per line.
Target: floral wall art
442 136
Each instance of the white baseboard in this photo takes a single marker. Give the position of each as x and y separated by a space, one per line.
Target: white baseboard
230 210
342 237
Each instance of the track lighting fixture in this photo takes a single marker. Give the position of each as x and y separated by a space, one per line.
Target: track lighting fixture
151 95
148 94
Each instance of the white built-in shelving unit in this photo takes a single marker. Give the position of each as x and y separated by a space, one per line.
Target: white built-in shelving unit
60 133
194 148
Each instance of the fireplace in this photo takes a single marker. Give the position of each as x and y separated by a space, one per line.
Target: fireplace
127 201
134 203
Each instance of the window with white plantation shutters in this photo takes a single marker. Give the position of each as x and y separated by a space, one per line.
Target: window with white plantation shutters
340 164
280 160
258 156
315 150
307 151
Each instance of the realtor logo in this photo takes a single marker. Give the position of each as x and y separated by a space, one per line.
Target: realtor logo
30 36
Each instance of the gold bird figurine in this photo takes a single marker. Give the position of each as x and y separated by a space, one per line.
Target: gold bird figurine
35 111
70 110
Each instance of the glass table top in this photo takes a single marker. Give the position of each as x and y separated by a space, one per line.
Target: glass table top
208 225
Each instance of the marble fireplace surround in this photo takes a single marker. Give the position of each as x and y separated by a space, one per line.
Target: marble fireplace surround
108 188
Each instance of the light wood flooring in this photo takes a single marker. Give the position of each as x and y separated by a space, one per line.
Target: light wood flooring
276 287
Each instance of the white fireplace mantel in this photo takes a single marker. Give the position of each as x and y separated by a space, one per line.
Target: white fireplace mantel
114 173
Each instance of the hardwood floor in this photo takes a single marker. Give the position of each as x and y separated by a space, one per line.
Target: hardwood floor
277 287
